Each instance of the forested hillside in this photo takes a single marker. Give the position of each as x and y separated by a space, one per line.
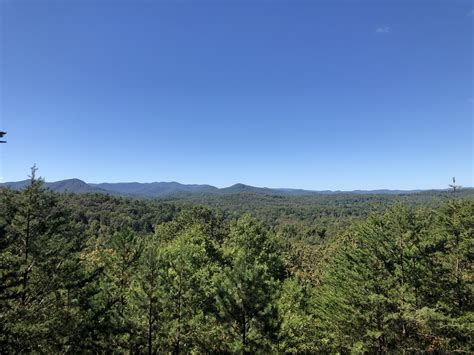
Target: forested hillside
102 274
175 190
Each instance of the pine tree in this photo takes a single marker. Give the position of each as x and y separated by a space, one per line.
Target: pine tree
149 294
367 296
186 270
298 326
247 289
122 255
34 248
450 306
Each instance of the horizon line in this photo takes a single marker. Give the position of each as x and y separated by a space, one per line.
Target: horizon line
249 185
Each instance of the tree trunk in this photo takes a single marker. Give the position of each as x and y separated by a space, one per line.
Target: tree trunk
27 249
150 324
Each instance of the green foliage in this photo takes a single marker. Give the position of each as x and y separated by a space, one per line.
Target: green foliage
298 327
186 277
247 288
33 266
402 281
101 274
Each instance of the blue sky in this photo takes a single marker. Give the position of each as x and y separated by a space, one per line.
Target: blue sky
305 94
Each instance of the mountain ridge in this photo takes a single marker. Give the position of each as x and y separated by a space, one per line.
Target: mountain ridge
166 189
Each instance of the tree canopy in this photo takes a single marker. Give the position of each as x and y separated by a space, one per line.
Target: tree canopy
95 273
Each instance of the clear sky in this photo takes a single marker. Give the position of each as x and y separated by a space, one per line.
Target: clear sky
305 94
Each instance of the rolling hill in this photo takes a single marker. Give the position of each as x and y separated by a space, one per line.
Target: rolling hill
167 189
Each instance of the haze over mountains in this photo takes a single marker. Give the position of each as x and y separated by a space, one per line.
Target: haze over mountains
166 189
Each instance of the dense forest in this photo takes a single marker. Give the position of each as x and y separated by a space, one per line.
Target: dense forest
236 274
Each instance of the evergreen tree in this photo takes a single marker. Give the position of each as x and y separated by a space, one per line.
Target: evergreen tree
398 282
34 249
185 273
448 316
122 255
298 329
247 288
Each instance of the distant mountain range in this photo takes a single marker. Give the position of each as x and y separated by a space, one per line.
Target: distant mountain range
167 189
